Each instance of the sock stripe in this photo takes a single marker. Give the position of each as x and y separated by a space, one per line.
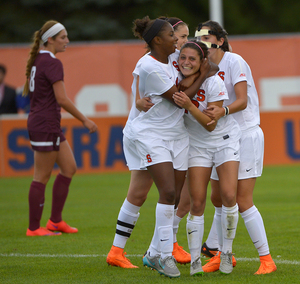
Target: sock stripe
122 233
127 225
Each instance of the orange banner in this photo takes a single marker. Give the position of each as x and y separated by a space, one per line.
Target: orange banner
97 152
98 78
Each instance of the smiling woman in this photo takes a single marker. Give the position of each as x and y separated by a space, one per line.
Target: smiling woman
45 85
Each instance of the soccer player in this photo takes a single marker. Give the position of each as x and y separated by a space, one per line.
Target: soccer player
212 143
45 85
243 105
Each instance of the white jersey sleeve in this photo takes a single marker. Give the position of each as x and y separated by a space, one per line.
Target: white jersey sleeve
234 69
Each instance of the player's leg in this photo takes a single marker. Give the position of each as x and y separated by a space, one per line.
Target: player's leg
67 165
251 166
179 253
163 176
140 184
198 181
43 165
228 176
254 224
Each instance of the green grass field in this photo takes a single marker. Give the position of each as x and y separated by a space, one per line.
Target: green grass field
93 205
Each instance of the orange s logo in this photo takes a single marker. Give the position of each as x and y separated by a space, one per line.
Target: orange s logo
222 75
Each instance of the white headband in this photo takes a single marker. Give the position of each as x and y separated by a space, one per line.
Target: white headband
52 31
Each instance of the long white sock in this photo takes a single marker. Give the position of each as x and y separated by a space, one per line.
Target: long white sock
127 219
162 240
218 222
195 230
212 238
175 226
229 218
256 229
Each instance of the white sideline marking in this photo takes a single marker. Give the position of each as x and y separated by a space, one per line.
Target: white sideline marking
278 261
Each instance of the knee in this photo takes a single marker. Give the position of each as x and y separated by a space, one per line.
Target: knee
167 196
229 199
197 207
70 171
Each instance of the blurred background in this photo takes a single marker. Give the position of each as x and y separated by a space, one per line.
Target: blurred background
94 20
102 54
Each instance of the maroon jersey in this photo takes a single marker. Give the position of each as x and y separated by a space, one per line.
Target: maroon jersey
44 113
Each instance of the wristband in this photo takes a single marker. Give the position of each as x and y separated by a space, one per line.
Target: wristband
226 111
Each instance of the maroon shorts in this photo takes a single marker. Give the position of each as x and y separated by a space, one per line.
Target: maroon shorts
45 141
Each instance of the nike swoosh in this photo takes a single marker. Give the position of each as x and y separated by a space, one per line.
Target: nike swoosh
192 232
248 170
256 242
55 227
164 240
229 229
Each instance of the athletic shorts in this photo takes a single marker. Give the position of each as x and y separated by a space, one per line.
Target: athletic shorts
45 141
132 157
155 151
251 154
209 157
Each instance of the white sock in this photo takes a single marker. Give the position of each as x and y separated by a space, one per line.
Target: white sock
256 229
212 239
175 226
217 220
195 230
229 218
162 240
127 219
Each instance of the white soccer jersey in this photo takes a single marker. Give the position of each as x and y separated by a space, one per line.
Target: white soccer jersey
227 129
163 120
134 112
234 69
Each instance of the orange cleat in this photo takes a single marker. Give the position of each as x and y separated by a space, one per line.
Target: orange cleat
61 226
116 257
267 265
180 254
213 264
41 232
208 252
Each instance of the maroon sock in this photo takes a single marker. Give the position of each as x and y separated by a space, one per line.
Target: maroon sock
59 196
36 200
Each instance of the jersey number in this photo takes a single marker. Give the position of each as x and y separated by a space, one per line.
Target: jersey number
31 82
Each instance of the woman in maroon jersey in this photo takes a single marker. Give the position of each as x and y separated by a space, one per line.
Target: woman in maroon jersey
45 85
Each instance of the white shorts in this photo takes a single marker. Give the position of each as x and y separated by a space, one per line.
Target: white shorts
203 157
132 157
251 154
154 151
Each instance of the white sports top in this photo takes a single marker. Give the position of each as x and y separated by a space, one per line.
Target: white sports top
134 112
234 69
163 120
227 129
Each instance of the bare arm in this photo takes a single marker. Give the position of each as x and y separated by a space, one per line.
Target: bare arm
215 113
67 104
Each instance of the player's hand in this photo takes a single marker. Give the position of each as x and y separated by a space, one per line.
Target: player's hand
187 82
90 125
214 112
182 100
144 104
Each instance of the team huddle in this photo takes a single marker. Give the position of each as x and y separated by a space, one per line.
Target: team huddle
194 121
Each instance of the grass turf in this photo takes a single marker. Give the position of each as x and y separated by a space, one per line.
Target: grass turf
93 205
